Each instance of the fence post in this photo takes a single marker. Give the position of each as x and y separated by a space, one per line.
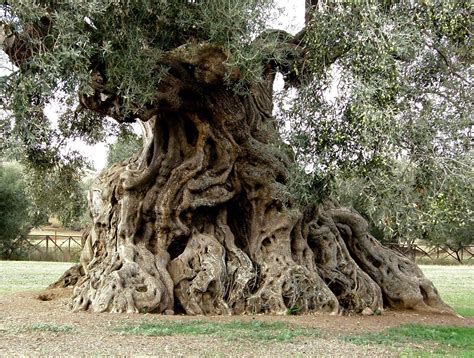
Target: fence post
69 248
41 244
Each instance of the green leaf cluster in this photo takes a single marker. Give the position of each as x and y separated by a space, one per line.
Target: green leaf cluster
59 191
385 118
125 146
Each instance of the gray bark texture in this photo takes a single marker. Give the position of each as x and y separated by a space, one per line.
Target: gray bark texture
195 223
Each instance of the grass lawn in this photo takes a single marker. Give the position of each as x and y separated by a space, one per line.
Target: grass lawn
455 284
423 341
18 276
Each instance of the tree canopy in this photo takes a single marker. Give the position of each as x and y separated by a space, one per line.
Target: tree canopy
377 82
390 106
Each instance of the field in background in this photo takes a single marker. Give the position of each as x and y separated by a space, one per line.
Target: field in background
16 276
52 231
455 284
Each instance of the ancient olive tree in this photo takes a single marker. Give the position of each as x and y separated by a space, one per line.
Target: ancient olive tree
200 221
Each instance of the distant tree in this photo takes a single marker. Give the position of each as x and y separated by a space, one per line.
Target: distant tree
125 146
17 214
58 191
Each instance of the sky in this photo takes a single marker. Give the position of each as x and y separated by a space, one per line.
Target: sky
291 20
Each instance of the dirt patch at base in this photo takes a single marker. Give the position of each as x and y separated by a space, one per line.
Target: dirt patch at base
92 333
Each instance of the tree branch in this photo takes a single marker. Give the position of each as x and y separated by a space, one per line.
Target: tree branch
445 58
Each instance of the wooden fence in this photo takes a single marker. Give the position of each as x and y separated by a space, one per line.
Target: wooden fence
461 254
68 247
52 247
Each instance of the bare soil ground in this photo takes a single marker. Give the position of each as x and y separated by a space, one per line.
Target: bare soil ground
97 334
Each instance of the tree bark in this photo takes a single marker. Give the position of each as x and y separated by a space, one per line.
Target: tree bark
196 224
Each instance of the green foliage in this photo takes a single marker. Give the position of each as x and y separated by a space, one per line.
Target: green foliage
59 191
254 330
126 41
458 341
29 196
305 187
50 191
384 117
125 146
16 210
399 208
394 93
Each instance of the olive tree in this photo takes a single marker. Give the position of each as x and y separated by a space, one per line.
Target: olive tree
202 220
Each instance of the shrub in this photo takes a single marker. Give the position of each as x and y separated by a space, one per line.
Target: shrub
15 211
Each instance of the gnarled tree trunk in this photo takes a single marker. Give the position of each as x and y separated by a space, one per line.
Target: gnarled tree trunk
195 224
